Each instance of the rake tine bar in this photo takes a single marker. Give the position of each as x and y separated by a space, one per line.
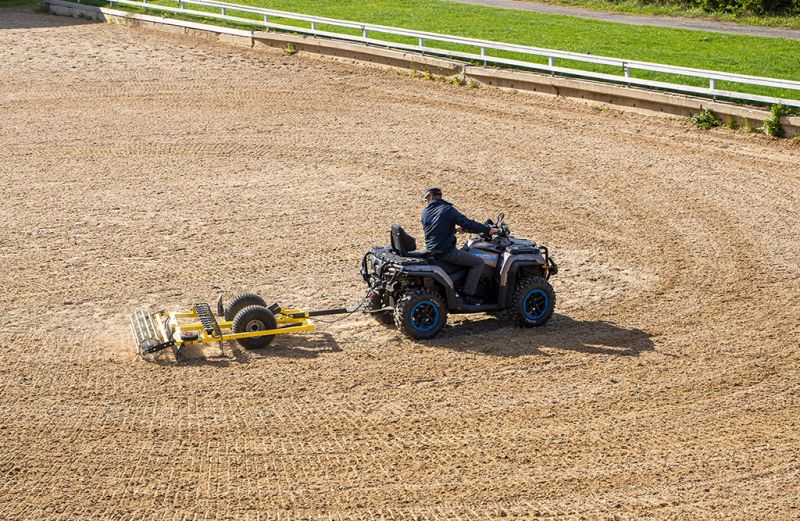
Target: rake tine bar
145 335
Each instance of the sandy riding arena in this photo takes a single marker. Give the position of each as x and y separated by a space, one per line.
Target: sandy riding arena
140 169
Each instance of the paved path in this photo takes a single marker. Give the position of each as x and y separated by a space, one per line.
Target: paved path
697 24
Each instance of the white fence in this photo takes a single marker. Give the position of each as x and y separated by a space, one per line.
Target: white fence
426 44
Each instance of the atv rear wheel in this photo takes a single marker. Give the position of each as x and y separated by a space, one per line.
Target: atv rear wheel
251 319
533 302
420 313
240 302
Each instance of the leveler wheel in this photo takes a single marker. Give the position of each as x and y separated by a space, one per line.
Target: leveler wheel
146 346
240 302
251 319
533 302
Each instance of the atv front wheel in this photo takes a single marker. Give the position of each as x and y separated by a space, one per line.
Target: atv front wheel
533 302
252 319
420 314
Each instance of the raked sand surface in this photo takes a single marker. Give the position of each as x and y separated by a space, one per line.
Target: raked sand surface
142 169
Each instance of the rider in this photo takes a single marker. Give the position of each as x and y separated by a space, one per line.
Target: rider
439 220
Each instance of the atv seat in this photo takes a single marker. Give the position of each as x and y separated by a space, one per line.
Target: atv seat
404 244
454 271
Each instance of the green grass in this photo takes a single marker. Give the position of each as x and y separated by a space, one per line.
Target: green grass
668 9
769 57
26 5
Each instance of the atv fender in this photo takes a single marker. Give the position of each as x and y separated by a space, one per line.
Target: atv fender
438 275
510 269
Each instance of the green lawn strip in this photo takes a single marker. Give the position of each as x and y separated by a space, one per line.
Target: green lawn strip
677 9
769 57
25 5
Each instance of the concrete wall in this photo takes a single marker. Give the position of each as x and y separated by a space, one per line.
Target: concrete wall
375 55
648 100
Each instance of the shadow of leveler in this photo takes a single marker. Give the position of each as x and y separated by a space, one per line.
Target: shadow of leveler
246 319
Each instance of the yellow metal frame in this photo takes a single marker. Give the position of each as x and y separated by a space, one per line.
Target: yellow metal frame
180 321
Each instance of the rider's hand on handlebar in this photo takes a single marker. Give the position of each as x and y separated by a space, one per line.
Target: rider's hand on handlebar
493 230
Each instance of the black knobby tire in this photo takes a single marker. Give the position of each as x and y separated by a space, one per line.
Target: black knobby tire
384 317
533 302
254 318
420 313
240 302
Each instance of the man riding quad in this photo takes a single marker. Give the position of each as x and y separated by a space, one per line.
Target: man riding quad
440 221
493 272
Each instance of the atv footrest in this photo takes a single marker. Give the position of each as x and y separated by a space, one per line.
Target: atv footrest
208 319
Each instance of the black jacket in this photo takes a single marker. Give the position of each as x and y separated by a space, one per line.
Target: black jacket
439 220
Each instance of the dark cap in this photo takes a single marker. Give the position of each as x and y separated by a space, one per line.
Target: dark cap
435 191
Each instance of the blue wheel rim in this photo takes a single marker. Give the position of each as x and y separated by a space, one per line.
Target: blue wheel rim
424 316
535 304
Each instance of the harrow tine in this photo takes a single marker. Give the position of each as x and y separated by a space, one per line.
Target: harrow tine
134 332
147 322
136 327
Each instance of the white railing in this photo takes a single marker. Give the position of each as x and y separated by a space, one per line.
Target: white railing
424 39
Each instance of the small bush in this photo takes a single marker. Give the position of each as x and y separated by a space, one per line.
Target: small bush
748 7
460 80
706 119
772 125
290 49
732 123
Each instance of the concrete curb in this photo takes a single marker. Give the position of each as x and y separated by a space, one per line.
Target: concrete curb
618 95
360 52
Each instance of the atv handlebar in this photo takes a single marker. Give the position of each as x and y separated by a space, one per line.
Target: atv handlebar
503 229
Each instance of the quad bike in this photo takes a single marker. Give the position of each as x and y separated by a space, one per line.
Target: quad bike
415 291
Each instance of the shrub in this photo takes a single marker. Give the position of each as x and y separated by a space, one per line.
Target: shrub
756 7
731 122
772 125
706 119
